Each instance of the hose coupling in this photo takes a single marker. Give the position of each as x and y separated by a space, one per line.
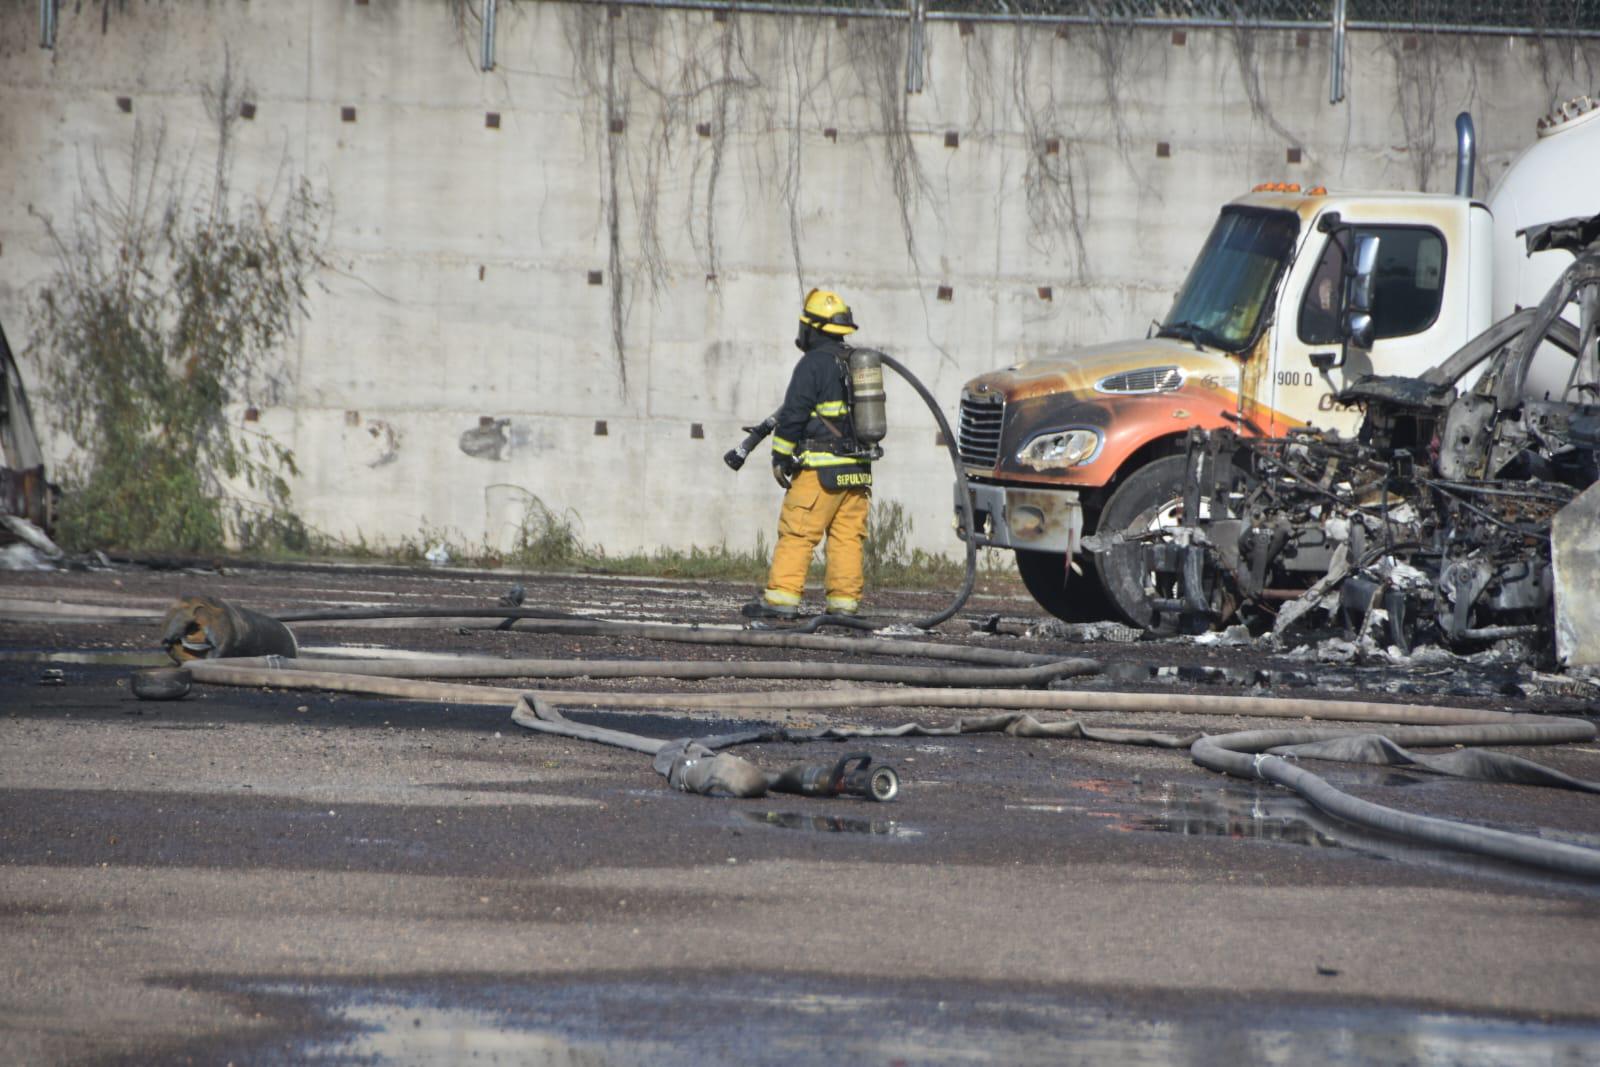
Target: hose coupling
852 776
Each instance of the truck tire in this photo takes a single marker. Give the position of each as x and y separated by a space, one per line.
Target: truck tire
1149 496
1070 598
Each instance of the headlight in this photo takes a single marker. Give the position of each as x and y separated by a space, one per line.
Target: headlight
1060 449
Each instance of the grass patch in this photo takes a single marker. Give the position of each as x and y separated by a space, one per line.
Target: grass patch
551 541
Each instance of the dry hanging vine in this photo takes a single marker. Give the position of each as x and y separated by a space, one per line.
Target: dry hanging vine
169 303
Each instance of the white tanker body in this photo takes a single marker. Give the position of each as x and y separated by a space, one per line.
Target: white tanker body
1556 177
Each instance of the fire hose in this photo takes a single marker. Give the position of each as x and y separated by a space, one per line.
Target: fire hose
528 620
1244 755
490 667
696 767
696 764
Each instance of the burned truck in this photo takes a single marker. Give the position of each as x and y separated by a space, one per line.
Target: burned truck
1260 340
1464 511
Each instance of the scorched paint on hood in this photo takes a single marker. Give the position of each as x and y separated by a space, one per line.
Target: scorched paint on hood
1077 370
1069 392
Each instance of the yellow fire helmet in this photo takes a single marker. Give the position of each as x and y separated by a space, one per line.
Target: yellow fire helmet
828 312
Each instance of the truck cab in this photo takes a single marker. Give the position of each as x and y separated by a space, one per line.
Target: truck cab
1294 295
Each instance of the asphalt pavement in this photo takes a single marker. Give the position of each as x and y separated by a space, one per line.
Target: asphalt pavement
276 876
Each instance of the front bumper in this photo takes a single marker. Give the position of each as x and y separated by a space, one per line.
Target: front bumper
1040 520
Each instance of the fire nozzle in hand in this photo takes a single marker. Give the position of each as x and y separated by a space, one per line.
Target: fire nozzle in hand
735 457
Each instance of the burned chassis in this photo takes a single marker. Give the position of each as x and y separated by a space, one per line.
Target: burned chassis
1434 524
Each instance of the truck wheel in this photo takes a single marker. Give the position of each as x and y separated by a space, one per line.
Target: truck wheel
1152 497
1070 598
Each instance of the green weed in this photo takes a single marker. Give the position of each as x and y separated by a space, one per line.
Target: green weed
548 540
169 304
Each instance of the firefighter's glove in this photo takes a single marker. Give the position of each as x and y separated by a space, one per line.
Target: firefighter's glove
783 468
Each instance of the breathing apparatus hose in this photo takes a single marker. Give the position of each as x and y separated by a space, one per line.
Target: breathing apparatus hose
812 624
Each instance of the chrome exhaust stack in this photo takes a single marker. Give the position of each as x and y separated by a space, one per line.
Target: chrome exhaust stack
1466 153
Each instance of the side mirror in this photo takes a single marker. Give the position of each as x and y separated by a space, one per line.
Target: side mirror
1360 283
1358 328
1362 265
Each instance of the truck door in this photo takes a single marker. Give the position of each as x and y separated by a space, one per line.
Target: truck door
1415 325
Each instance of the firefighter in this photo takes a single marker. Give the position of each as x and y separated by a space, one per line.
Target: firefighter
820 464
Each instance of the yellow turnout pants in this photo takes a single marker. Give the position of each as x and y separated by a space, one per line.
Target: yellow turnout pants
809 512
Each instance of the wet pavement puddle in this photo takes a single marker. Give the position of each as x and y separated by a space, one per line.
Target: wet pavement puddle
830 824
762 1020
1273 816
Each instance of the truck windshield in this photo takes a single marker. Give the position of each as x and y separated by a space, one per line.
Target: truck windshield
1228 287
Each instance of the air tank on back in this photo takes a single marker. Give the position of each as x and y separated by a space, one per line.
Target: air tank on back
867 408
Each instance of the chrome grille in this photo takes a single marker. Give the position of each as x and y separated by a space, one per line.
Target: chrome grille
981 418
1143 380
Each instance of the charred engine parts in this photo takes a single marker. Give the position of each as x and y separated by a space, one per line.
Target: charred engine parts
1313 522
1435 523
203 627
1575 572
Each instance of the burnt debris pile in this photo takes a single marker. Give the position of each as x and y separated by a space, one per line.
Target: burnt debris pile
1461 515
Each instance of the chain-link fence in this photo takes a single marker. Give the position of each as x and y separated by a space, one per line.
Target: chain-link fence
1548 16
1144 11
1553 15
1521 17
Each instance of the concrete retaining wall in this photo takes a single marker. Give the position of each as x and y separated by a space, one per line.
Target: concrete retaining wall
1053 186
